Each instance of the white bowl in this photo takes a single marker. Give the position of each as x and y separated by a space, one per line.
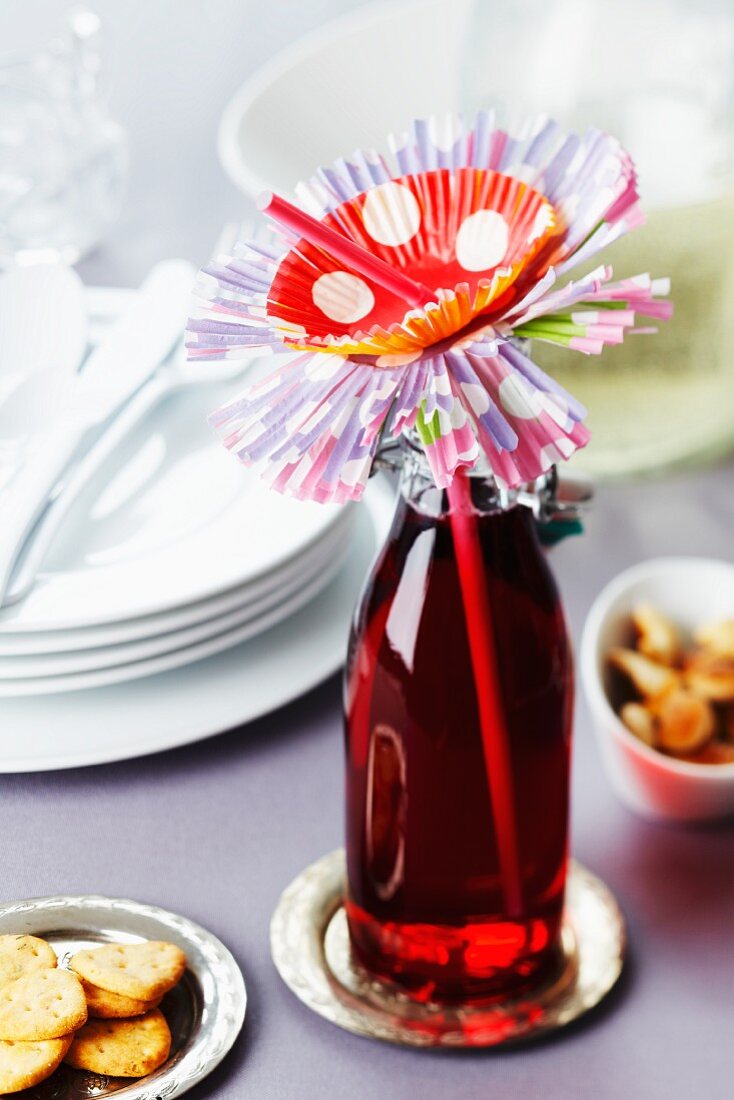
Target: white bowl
345 86
690 591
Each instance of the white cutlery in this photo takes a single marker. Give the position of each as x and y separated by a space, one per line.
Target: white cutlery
43 337
43 322
135 345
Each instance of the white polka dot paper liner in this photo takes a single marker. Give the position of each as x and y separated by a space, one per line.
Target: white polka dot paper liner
411 296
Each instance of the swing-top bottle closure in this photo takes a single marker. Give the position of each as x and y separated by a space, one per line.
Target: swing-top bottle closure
557 501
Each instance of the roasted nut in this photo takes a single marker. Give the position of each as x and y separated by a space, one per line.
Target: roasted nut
727 723
640 721
717 638
685 722
649 678
657 637
711 676
716 752
686 700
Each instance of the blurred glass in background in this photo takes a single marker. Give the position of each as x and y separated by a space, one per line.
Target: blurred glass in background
660 76
63 161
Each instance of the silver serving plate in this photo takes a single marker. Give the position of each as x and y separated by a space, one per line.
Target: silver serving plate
309 942
205 1011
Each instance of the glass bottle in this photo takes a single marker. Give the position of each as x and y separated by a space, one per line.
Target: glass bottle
425 904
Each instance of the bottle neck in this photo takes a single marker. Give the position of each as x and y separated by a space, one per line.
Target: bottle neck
557 504
418 488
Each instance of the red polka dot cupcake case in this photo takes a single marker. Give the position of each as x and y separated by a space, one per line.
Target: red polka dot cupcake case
452 231
409 292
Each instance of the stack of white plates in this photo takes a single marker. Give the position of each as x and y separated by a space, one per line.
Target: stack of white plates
180 598
177 554
228 681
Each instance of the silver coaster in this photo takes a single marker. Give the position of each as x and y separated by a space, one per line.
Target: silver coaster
309 943
204 1012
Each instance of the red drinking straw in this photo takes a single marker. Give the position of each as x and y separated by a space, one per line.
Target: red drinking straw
495 739
344 250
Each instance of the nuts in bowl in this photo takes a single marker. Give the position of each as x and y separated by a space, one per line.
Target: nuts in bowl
657 666
682 698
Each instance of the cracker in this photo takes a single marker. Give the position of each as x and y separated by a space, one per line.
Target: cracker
105 1005
20 955
143 971
23 1065
45 1004
122 1048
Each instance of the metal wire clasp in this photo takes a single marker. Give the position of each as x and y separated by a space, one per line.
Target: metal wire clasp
557 498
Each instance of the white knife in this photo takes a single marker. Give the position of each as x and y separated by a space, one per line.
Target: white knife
134 347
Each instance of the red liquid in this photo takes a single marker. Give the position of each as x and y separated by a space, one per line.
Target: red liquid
425 898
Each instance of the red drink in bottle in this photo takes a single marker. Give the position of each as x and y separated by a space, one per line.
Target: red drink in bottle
425 900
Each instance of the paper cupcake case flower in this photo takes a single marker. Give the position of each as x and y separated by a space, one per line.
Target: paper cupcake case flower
485 224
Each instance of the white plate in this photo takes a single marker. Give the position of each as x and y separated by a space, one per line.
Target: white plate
256 596
162 712
170 658
308 106
179 520
30 675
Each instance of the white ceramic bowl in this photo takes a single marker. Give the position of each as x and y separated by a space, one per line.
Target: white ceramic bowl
345 86
690 591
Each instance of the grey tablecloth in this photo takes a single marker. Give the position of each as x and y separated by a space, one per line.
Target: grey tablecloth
217 830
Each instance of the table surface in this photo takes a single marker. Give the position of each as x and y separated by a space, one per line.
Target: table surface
217 830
